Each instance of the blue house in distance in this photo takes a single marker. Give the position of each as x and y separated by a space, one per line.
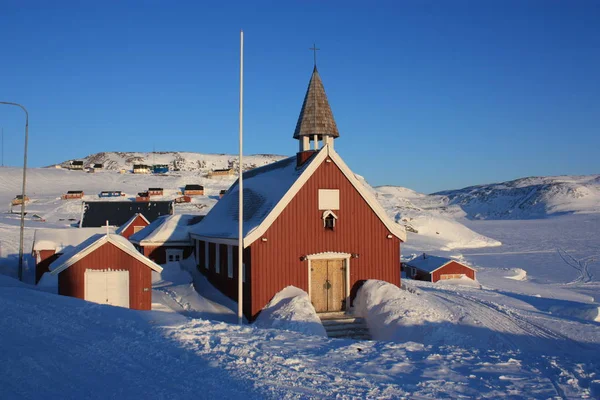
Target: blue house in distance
160 168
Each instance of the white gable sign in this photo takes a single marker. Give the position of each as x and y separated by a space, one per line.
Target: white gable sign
329 199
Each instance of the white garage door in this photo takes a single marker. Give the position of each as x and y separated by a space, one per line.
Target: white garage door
107 287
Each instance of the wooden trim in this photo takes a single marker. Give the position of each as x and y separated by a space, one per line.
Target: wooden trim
328 255
232 242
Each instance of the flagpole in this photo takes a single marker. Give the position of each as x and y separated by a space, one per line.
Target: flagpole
241 192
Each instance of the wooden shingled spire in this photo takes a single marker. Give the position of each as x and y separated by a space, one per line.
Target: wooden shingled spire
316 117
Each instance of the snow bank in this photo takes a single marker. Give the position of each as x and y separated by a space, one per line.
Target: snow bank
48 283
291 310
395 314
520 274
588 312
462 281
174 289
7 281
432 220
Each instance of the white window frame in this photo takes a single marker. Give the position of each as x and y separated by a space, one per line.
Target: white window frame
326 214
329 199
175 253
229 261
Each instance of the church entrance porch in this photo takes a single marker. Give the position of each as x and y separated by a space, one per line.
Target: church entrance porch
328 277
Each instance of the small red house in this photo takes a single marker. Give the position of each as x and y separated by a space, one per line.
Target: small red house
167 239
72 194
135 224
308 222
106 269
49 244
183 199
193 190
142 196
155 191
432 269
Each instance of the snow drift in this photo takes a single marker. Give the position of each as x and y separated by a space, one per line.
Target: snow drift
395 314
291 310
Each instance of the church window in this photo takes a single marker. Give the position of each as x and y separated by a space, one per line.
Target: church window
329 219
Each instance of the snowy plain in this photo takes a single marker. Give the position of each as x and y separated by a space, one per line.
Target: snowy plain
527 329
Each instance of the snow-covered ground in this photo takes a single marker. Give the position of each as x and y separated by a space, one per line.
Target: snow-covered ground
527 329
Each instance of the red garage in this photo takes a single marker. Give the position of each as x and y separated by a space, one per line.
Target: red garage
106 269
434 268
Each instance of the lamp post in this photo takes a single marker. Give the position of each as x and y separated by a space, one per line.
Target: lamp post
23 188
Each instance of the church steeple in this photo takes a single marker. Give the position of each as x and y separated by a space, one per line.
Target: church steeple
315 122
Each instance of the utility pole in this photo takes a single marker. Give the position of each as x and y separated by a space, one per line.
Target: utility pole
23 188
241 190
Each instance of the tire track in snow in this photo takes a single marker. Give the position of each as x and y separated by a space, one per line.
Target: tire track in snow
526 324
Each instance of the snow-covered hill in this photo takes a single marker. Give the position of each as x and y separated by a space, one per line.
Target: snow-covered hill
526 198
184 161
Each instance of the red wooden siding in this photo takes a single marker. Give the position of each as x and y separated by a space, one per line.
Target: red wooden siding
299 231
138 221
228 286
46 258
71 282
158 254
453 268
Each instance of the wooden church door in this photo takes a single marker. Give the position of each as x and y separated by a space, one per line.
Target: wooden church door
327 285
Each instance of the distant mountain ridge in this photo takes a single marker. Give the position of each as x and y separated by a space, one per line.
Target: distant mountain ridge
526 198
184 161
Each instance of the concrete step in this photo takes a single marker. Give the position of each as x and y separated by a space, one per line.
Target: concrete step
345 321
341 325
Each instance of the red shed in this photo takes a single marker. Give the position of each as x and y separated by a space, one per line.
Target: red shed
106 269
135 224
49 244
308 222
434 268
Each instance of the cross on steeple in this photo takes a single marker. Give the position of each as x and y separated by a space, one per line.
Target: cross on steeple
314 49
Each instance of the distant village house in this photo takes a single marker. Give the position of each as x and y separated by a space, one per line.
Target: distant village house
72 194
433 269
221 172
193 190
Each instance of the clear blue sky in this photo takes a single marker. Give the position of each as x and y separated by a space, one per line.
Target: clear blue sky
429 95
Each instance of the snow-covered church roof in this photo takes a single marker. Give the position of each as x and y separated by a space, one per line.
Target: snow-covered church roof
267 191
264 187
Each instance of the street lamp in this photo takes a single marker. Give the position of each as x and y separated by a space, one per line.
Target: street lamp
23 190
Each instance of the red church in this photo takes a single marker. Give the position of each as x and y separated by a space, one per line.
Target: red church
308 222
